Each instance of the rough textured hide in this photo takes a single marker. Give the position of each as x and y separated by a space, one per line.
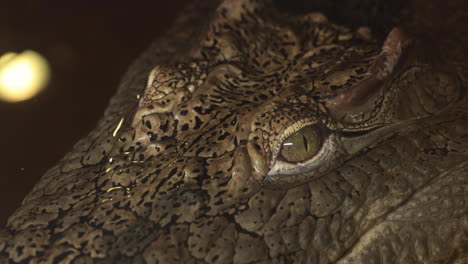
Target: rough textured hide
188 164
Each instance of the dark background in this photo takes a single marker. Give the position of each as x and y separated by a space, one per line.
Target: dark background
89 46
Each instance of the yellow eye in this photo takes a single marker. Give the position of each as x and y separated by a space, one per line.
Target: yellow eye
302 145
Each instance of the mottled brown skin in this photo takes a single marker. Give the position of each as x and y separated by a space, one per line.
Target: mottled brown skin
189 169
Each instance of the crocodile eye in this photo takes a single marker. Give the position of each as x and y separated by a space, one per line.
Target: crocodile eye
302 145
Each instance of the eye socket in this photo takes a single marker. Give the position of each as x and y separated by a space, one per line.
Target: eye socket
302 145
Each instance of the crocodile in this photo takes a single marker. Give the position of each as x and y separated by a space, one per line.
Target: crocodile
257 133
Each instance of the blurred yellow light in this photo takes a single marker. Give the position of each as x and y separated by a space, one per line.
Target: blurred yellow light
22 76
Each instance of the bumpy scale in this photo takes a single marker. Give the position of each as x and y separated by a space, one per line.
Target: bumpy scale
194 171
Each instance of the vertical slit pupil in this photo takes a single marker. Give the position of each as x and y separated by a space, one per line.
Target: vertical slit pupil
304 140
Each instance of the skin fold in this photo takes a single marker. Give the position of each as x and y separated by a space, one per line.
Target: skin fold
188 163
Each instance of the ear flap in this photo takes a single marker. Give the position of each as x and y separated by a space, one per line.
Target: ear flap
362 96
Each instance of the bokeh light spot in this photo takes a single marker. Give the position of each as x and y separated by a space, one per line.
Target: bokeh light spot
22 76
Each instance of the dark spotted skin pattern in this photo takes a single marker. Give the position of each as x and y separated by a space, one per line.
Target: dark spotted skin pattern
187 168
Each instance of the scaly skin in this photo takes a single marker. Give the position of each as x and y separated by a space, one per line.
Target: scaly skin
190 170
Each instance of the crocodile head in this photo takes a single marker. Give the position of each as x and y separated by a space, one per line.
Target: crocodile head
278 137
